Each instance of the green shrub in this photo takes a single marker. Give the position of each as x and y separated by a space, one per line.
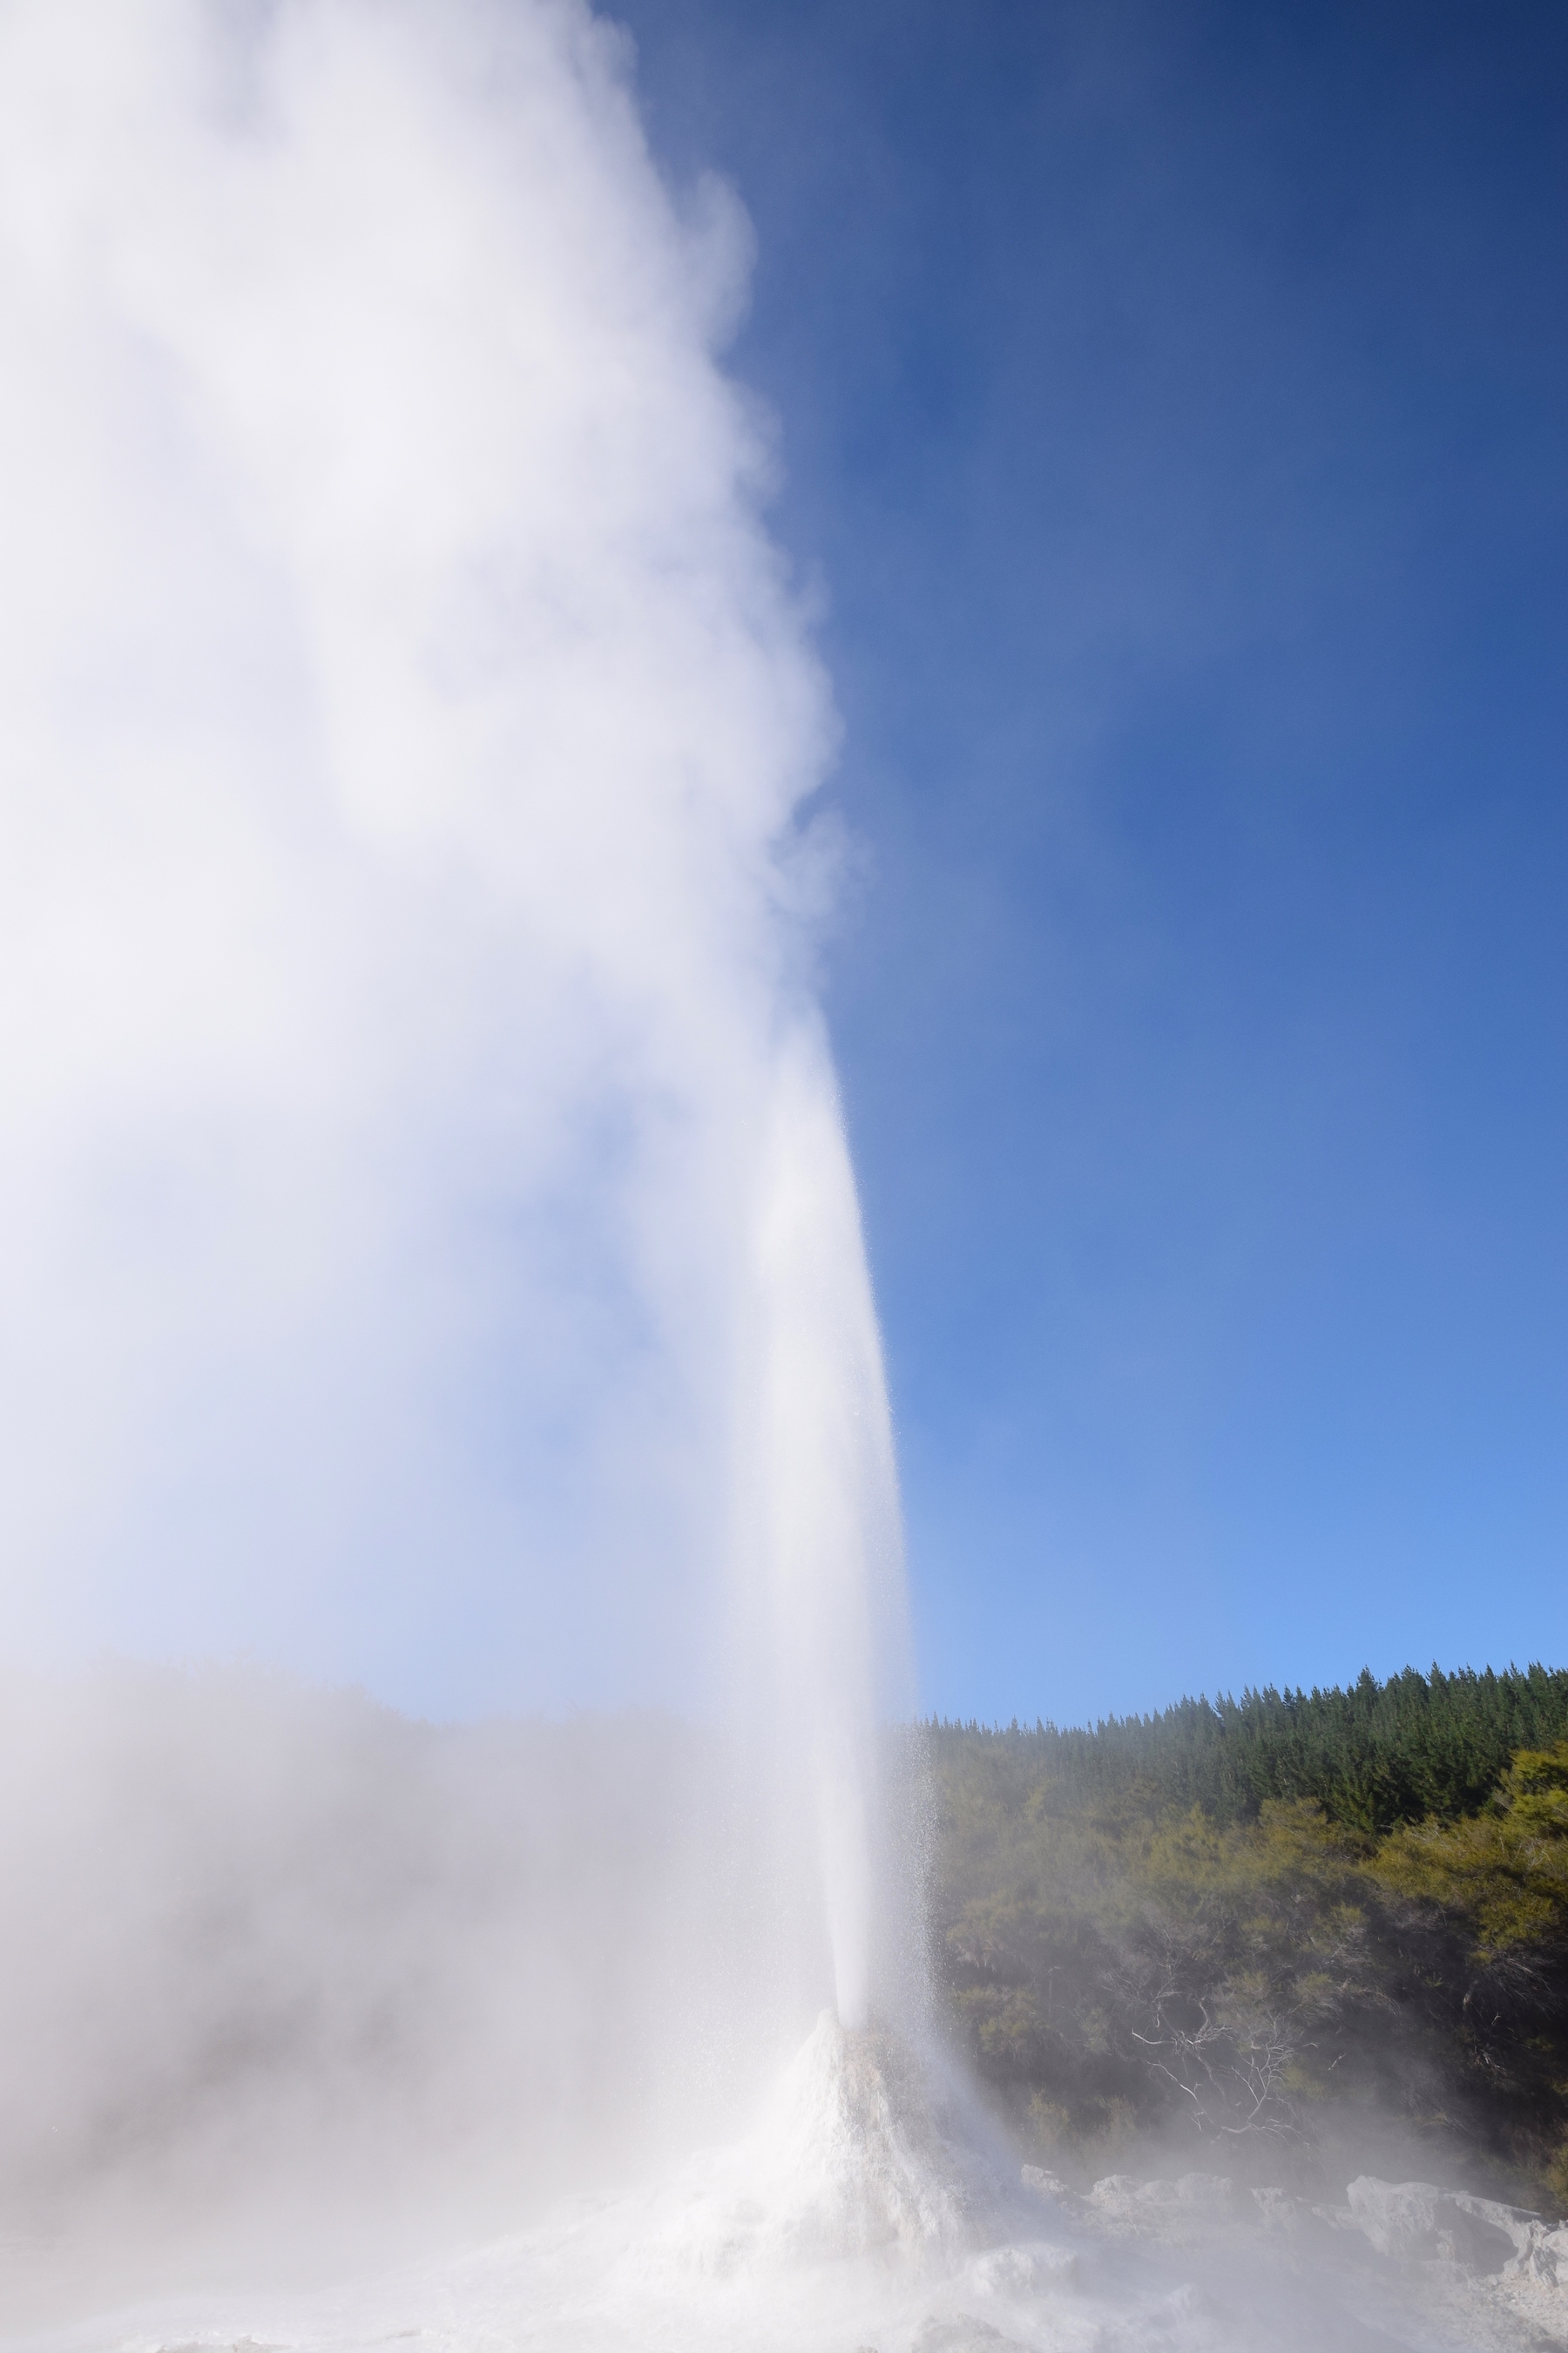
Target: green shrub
1120 1957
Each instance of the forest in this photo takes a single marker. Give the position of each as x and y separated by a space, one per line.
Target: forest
1271 1931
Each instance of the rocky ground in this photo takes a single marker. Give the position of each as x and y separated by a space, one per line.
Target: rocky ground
1414 2263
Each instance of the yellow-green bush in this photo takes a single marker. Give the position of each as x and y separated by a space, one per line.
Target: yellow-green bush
1118 1965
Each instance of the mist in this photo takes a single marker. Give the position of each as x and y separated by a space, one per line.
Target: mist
293 1984
460 1828
429 1255
408 898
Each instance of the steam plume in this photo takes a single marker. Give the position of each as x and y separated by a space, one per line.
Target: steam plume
405 952
429 1254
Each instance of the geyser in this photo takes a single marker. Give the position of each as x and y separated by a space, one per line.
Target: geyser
820 1517
429 1255
431 1252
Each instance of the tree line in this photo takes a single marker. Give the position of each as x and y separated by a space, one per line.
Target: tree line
1370 1753
1281 1934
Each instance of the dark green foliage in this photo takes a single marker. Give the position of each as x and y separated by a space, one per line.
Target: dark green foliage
1271 1927
1371 1756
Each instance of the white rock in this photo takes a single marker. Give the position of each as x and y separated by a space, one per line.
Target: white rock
1418 2221
1116 2190
1049 2185
1022 2270
1277 2211
1543 2253
1211 2193
1215 2193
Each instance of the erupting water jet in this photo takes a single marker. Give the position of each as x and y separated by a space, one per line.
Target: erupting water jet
820 1534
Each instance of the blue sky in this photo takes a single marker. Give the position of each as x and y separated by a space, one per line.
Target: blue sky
1173 409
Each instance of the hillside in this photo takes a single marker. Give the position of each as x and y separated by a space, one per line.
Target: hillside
1271 1927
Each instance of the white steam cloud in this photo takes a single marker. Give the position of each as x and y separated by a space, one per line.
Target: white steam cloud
429 1255
405 938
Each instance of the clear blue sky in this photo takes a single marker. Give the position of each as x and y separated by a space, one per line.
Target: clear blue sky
1173 405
